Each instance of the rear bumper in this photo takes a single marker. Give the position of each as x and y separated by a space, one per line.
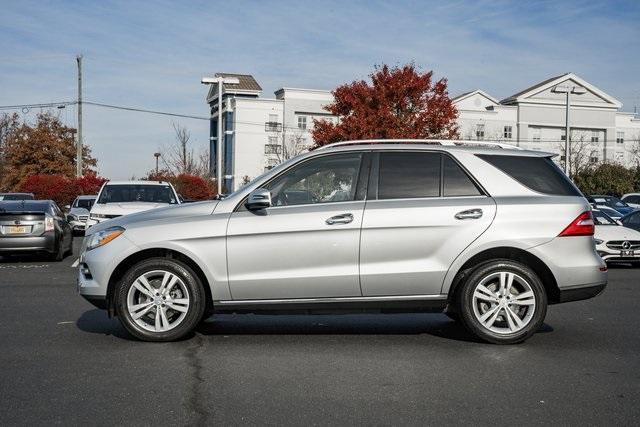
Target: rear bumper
46 242
581 292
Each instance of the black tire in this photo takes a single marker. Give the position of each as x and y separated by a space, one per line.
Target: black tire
192 283
465 301
70 250
58 255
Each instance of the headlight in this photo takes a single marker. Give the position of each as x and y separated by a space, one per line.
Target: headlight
96 216
103 237
598 241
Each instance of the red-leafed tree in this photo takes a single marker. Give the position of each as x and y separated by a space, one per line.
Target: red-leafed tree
191 187
89 184
58 188
400 102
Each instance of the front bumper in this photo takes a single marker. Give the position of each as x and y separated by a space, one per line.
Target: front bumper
45 242
78 225
96 266
612 255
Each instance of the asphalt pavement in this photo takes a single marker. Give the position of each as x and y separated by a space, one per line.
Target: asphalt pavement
64 362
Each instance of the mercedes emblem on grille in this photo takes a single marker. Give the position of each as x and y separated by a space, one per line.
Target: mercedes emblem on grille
16 222
626 245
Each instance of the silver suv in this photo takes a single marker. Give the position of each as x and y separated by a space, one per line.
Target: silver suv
488 234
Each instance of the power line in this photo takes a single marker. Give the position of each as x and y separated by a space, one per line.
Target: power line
143 110
41 105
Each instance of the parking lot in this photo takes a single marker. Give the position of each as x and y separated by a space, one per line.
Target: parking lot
64 362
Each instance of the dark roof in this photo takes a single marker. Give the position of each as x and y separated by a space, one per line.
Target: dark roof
537 85
462 95
24 205
247 82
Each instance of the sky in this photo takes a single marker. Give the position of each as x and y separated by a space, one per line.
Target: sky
152 54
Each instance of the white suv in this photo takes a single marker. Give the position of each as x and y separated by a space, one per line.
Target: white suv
118 198
489 235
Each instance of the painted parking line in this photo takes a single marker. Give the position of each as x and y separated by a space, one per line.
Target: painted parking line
75 263
25 267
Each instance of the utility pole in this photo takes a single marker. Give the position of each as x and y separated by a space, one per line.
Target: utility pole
79 140
567 89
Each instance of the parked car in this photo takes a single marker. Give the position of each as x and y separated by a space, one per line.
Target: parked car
609 211
16 196
34 226
614 203
78 212
118 198
615 242
491 236
632 199
631 220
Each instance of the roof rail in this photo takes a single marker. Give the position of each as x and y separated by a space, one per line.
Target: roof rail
444 142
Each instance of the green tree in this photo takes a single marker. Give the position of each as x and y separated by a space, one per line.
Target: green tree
607 178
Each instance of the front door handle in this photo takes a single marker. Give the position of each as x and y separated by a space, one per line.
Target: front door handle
340 219
469 214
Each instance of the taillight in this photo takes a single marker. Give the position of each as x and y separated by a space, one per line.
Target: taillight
48 224
583 225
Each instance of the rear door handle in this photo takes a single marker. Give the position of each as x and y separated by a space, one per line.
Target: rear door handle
469 214
340 219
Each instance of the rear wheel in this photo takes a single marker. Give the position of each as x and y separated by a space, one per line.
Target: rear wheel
160 299
502 302
58 255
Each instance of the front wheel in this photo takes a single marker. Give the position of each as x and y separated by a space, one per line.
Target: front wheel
160 299
502 302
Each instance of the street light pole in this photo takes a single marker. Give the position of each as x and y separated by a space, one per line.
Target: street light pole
219 80
157 156
568 90
79 141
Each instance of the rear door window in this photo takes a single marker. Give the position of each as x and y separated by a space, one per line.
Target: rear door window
537 173
456 182
405 175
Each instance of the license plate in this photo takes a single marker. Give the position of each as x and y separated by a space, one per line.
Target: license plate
17 229
626 253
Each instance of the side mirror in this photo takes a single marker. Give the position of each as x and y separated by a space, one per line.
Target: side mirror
259 198
67 207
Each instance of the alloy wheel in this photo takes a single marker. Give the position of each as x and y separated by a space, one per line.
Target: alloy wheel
504 302
158 301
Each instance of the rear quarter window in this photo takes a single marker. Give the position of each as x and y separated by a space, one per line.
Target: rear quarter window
537 173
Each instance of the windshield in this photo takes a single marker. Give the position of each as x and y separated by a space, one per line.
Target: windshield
16 196
617 203
84 203
601 218
137 193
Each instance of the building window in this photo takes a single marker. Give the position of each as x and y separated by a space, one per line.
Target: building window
563 135
480 131
595 136
302 122
620 137
507 133
272 125
535 134
272 149
593 158
271 163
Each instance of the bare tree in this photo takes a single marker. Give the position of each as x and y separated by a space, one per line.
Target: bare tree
634 150
581 155
179 157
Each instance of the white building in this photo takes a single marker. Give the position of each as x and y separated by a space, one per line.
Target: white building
535 118
261 132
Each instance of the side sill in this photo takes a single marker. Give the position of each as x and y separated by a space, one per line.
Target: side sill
343 305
